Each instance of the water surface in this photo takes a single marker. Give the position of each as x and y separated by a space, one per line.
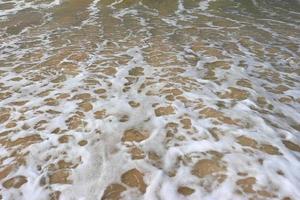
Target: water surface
149 99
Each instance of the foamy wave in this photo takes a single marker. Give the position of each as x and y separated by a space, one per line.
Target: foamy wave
149 100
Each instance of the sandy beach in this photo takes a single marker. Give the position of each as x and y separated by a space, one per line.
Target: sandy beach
149 99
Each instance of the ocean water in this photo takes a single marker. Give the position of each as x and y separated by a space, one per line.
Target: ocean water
149 99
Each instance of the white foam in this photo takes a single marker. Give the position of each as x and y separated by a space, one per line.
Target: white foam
158 44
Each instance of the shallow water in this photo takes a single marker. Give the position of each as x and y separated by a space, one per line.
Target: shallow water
148 99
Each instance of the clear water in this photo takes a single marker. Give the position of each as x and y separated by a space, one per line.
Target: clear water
149 99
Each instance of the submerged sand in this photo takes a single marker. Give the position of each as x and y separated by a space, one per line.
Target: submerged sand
149 99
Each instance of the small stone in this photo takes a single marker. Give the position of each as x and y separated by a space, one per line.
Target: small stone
11 125
187 124
247 184
213 113
170 97
136 71
113 192
161 111
69 68
55 195
15 182
79 56
235 93
186 191
291 146
261 101
40 125
175 92
100 114
153 156
65 165
82 143
124 118
134 178
281 89
133 135
56 131
19 103
109 71
218 64
4 117
244 83
269 149
100 91
6 171
63 96
86 106
25 141
246 141
53 112
206 167
64 139
59 79
51 102
83 96
286 99
137 153
59 177
25 126
134 104
74 122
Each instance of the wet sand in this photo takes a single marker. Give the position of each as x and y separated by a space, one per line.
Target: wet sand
149 99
